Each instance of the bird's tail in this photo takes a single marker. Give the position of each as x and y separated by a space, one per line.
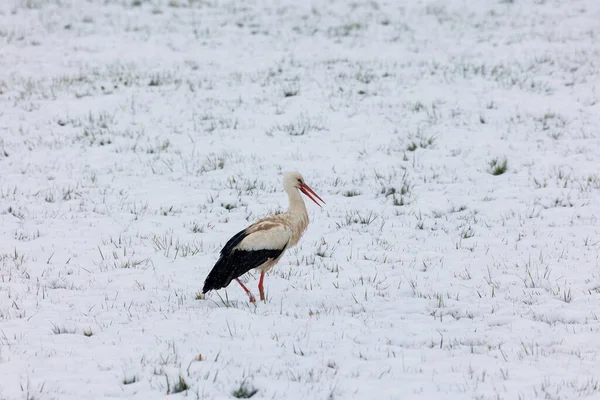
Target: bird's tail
219 277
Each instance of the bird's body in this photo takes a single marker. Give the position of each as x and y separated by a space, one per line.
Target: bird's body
261 245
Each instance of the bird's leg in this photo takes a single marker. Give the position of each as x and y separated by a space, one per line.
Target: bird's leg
260 286
248 292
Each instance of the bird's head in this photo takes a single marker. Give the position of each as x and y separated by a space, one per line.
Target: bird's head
294 180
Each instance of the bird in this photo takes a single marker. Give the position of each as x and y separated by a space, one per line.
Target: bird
261 245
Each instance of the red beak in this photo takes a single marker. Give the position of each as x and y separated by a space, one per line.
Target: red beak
308 192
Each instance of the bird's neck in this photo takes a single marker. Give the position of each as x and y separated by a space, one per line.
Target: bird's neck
297 216
297 206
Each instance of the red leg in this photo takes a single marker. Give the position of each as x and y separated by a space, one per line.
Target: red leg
260 286
252 299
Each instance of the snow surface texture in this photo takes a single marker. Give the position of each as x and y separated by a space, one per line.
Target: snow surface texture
456 144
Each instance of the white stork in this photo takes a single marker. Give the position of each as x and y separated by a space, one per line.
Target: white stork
261 245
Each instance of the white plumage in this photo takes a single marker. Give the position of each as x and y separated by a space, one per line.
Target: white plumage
267 235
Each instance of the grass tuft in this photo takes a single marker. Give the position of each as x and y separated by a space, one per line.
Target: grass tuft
130 380
291 90
179 386
61 330
423 143
351 193
498 167
303 126
244 391
197 228
467 233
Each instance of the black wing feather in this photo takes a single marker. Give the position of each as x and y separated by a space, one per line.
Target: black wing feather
235 263
234 241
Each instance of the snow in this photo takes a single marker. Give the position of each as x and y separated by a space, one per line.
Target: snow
137 136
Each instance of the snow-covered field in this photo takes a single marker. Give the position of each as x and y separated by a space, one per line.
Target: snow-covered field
456 143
